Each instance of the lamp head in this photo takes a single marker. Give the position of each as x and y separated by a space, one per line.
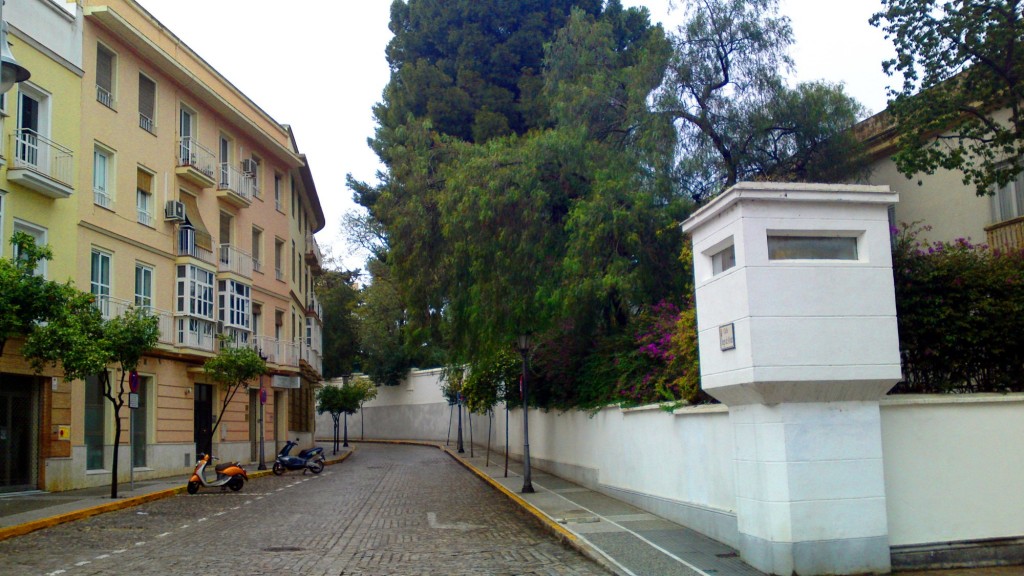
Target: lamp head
10 71
523 341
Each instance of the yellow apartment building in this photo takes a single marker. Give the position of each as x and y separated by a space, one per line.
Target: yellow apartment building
40 129
187 199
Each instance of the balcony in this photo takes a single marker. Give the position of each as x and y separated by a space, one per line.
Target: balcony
1007 235
196 333
234 261
313 308
41 164
235 186
269 347
313 358
313 256
187 244
113 307
196 164
146 123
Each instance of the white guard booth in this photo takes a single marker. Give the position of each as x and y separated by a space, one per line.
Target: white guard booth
797 328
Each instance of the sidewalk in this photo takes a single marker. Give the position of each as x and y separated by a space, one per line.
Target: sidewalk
625 540
24 512
629 541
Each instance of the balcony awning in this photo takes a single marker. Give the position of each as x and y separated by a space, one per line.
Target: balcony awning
203 238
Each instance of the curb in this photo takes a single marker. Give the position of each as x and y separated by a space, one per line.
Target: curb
563 535
28 527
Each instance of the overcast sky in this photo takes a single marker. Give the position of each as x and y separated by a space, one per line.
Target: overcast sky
319 66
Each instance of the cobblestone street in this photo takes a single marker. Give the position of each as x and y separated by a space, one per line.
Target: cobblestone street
386 510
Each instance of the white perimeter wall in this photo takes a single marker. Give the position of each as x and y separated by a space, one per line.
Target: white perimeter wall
954 465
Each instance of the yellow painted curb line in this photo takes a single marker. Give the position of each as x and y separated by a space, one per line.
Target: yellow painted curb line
28 527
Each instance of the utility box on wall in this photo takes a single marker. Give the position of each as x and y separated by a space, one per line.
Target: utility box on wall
794 286
796 318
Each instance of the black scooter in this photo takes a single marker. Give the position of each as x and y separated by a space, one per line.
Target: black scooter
311 459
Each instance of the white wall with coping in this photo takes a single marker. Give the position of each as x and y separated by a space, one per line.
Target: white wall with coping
950 463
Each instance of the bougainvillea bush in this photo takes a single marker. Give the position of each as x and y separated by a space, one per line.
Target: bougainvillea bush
961 314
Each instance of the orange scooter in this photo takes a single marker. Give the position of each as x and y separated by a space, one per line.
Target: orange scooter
229 474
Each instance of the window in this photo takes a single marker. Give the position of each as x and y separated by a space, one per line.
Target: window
140 423
225 161
195 292
234 304
724 259
2 237
144 197
38 233
253 169
309 332
33 123
195 333
1009 200
292 192
99 280
95 423
186 128
278 256
143 286
102 163
147 103
277 191
794 247
295 260
257 249
105 66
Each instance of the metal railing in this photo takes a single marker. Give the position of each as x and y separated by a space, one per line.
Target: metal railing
193 154
313 358
279 274
313 254
234 260
289 355
104 96
313 306
42 155
102 199
145 217
257 266
187 237
145 122
236 181
269 347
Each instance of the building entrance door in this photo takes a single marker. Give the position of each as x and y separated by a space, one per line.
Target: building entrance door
18 433
203 418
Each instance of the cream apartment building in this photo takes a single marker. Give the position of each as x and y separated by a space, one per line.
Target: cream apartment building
185 198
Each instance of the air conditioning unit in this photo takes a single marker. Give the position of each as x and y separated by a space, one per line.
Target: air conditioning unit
174 210
249 166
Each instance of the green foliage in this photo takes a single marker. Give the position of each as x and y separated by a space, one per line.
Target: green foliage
24 297
345 399
339 298
961 315
736 117
493 380
234 365
961 61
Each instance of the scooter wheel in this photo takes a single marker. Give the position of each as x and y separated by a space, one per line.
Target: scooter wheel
316 467
278 469
236 483
192 487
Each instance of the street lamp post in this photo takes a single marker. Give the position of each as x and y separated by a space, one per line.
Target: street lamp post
524 349
10 71
263 402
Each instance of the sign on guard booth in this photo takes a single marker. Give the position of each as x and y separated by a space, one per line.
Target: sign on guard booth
796 317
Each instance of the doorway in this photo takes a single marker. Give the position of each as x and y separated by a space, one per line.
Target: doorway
254 423
203 418
18 433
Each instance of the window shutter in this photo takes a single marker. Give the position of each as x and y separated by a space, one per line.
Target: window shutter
145 182
147 97
104 69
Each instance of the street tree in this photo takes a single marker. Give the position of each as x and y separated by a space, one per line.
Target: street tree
737 119
232 367
961 103
25 297
344 400
84 344
339 297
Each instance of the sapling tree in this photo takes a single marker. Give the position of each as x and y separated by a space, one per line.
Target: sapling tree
232 367
24 298
345 399
84 344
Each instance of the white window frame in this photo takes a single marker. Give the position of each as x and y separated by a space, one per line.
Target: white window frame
37 232
101 287
144 207
102 179
1008 200
257 249
144 273
146 123
278 179
194 295
235 304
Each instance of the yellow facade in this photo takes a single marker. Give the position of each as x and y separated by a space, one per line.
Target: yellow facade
181 200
